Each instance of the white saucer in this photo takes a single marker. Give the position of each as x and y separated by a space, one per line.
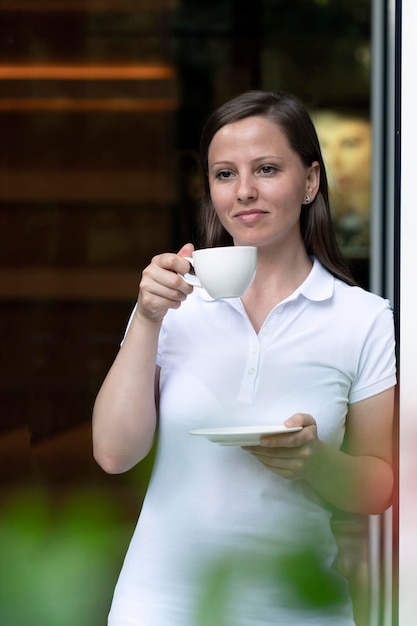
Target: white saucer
242 435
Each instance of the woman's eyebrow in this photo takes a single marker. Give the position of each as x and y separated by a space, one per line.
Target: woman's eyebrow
257 159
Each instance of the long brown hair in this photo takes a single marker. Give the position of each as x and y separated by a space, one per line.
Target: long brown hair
293 119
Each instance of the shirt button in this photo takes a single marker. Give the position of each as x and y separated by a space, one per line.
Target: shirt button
265 330
251 371
279 308
255 350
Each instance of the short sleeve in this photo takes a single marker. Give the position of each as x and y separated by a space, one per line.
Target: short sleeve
377 364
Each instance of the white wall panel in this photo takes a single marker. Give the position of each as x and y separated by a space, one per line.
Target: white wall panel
408 322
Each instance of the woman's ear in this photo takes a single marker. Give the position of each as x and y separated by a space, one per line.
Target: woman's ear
313 181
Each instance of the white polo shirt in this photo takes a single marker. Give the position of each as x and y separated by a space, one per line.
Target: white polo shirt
208 507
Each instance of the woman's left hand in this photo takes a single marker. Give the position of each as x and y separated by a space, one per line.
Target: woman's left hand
289 454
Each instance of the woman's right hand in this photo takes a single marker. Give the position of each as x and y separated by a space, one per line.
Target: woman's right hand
162 286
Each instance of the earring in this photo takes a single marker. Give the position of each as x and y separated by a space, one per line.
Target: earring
308 198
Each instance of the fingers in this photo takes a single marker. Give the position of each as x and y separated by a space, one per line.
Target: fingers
186 250
293 439
281 453
287 468
289 454
284 440
300 419
291 463
160 293
162 286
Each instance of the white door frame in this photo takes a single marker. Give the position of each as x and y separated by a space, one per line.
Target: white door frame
407 556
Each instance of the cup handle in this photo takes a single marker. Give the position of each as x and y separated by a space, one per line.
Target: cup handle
191 279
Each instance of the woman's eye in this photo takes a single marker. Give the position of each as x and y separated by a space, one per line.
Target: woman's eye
267 169
223 174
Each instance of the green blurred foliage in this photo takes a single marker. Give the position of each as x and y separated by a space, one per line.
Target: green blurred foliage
61 555
308 585
59 561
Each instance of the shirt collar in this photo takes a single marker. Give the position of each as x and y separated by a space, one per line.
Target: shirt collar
319 284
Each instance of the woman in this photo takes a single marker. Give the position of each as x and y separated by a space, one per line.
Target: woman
245 533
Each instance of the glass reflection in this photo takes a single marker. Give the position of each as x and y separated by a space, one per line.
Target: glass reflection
345 138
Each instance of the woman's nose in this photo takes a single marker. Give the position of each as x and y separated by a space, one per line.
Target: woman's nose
247 190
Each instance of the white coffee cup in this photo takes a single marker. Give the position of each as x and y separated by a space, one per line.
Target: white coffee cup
225 272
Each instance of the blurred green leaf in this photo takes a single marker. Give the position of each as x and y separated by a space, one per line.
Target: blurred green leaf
59 564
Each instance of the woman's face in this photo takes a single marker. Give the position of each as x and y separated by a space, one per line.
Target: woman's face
258 183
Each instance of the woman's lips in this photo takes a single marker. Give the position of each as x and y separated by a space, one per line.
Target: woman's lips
250 216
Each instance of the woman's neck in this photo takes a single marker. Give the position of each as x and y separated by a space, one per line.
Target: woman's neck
276 279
